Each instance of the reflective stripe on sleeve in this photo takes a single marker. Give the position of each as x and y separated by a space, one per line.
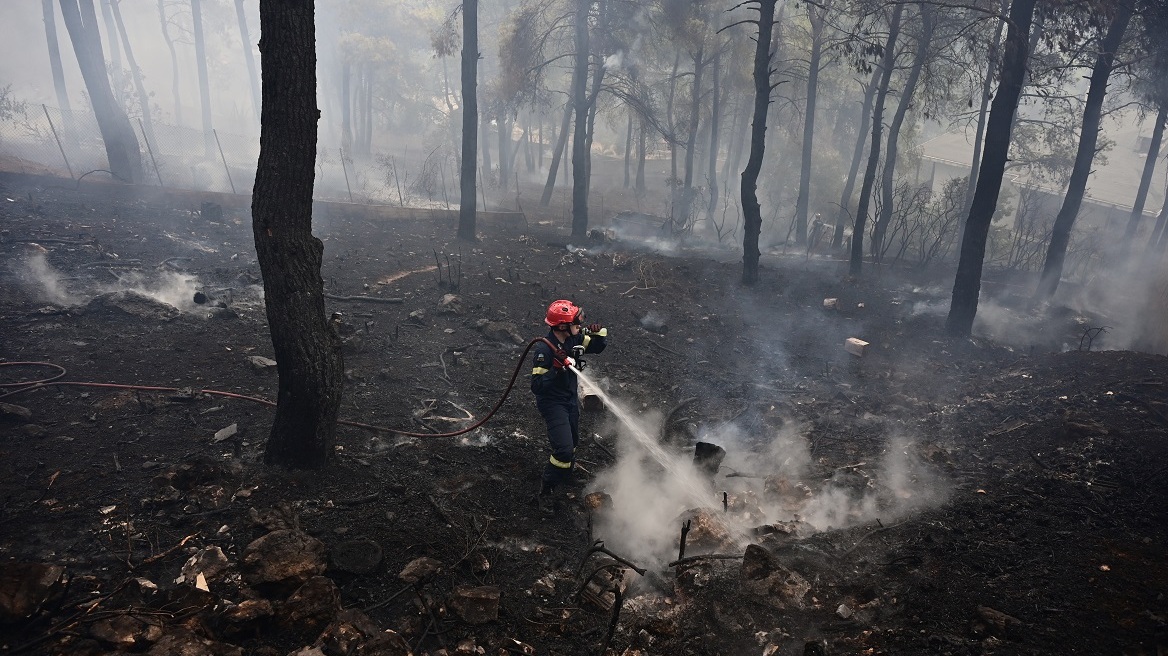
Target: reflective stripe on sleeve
539 371
587 338
559 463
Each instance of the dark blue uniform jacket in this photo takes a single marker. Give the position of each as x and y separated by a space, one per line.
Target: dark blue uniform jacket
553 385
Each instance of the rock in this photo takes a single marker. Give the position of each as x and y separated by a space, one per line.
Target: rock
450 303
790 495
544 586
307 651
764 576
499 331
360 556
274 519
14 413
25 587
598 502
260 363
475 605
248 610
347 632
843 612
386 643
707 532
313 606
210 562
992 622
211 211
420 570
468 647
283 556
418 317
225 433
126 631
133 304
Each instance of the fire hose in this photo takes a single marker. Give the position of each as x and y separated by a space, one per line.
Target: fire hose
55 380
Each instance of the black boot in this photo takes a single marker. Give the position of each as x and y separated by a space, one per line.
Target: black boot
545 501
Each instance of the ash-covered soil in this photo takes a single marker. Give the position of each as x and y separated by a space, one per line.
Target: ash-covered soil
932 497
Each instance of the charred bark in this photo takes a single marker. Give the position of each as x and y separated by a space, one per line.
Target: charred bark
121 146
886 65
843 218
174 80
628 148
967 282
204 86
55 55
817 16
557 153
248 57
687 194
580 136
308 353
1133 222
346 108
139 87
983 107
1060 236
470 119
751 210
715 116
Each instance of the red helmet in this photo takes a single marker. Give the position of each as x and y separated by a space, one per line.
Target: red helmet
562 312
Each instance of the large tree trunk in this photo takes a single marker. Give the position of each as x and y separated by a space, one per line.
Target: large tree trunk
1156 242
557 153
115 56
715 115
967 282
121 146
580 136
204 86
248 57
1060 235
1133 222
843 217
687 195
983 109
642 147
886 65
751 210
58 70
470 118
174 83
817 15
139 87
888 179
593 103
308 351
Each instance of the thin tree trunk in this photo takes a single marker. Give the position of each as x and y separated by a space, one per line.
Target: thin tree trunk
628 147
1158 232
346 108
715 116
308 350
593 103
174 81
485 145
539 151
733 139
367 131
561 145
204 86
121 146
248 57
470 119
115 55
967 282
888 178
143 99
642 147
1060 236
580 137
687 194
843 217
529 135
672 127
751 210
983 108
58 70
1137 213
817 16
504 150
886 66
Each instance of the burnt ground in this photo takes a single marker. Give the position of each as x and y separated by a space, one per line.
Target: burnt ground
1036 501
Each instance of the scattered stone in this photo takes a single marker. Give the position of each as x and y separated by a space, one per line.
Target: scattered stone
283 556
420 570
126 631
843 612
708 458
479 563
707 532
131 303
544 586
184 643
992 622
210 562
764 576
499 331
831 304
418 317
352 632
25 587
790 495
653 323
248 610
282 517
856 346
450 303
260 363
360 556
475 605
468 647
211 211
598 501
313 606
224 433
11 413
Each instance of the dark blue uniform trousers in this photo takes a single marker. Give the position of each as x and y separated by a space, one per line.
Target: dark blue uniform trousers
563 427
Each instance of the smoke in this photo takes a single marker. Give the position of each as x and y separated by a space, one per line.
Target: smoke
41 281
171 287
769 480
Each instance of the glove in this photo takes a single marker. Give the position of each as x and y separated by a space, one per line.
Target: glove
595 328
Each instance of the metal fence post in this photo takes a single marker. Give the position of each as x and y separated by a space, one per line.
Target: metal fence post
346 170
59 146
151 151
227 170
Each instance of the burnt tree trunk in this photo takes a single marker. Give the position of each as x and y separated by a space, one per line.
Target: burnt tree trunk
715 117
248 57
58 70
888 177
346 108
557 153
174 80
642 148
115 56
628 148
580 135
308 351
139 87
983 108
886 65
1060 236
121 146
817 16
751 210
843 218
687 194
967 282
1133 222
470 119
204 86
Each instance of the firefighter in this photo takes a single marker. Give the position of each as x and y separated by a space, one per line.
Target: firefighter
555 389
